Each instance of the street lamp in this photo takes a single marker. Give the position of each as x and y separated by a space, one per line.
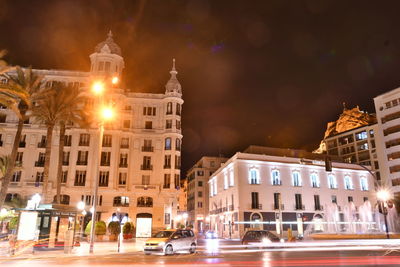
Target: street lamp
383 196
81 207
185 216
106 114
36 198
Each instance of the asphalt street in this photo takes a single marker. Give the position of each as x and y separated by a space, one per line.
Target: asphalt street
251 258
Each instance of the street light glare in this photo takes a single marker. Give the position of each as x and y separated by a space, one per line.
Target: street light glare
81 205
107 113
98 87
115 80
383 195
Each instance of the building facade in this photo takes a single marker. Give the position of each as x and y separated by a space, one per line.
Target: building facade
198 194
387 108
140 160
358 146
277 189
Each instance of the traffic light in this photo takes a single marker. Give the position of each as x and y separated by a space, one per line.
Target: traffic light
328 164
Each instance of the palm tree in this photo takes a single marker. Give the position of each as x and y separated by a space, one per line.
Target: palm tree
58 106
73 114
19 95
3 64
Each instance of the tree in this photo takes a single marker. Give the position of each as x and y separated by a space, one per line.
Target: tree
19 94
72 113
3 64
59 105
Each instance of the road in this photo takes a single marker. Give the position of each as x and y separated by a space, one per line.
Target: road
254 258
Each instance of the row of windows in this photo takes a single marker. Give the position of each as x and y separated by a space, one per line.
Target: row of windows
254 178
298 202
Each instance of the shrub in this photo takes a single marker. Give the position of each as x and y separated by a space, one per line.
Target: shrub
128 228
114 228
12 225
100 228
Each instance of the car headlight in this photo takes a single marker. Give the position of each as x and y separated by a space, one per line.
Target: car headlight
266 241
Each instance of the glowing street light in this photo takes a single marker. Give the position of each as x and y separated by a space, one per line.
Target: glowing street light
115 80
81 205
98 88
383 196
107 113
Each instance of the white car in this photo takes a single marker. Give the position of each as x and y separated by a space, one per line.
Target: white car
167 242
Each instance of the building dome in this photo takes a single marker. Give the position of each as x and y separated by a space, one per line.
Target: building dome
173 85
108 45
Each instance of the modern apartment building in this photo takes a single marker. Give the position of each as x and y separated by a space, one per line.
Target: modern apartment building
357 146
198 195
268 187
387 108
140 155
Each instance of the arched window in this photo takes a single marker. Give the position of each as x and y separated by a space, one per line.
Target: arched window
169 108
178 109
178 144
121 201
364 184
348 183
314 180
296 178
332 181
64 199
10 197
276 179
168 143
145 202
254 176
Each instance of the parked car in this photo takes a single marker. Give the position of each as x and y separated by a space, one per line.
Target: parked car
167 242
211 235
259 236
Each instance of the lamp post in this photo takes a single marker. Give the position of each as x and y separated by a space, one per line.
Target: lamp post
81 207
106 113
383 196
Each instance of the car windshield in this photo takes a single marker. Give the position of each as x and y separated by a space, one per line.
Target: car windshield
163 234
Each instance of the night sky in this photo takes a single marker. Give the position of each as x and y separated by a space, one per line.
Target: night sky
253 72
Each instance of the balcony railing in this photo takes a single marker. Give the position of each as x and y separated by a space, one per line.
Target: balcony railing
319 207
167 166
65 163
147 148
83 143
104 163
256 206
299 207
116 204
123 165
39 163
146 167
81 162
276 206
106 144
124 146
41 145
231 207
276 182
144 205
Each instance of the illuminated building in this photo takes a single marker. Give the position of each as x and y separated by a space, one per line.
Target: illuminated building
141 151
262 187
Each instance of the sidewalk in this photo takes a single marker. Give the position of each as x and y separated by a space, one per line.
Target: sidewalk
100 248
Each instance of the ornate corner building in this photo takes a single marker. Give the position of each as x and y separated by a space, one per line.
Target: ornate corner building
140 155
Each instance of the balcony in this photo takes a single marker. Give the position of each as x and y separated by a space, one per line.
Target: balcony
155 188
146 167
123 165
104 163
319 207
41 145
144 205
277 182
231 207
177 167
65 163
147 149
124 146
256 206
299 207
39 163
167 166
119 204
79 162
276 207
83 143
106 144
22 144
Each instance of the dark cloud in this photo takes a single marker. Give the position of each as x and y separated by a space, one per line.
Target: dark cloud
253 72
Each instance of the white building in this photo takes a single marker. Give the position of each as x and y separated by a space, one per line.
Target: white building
141 150
198 194
266 184
357 145
387 108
